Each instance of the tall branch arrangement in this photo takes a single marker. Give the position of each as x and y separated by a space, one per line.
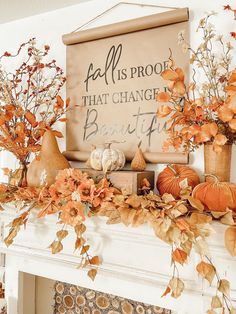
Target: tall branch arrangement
29 100
200 113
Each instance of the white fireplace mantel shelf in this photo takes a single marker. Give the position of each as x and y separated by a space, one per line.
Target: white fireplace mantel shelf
136 264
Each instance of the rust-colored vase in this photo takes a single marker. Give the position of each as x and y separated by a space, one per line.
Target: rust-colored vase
218 164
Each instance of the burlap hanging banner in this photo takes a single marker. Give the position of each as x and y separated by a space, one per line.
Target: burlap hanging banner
113 75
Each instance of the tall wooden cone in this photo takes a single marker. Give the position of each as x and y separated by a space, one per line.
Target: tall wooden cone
138 163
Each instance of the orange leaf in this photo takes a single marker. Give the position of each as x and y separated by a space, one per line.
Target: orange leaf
92 273
167 291
169 75
67 102
95 260
206 270
57 133
30 117
220 139
179 256
180 73
63 119
59 102
182 224
225 113
163 97
179 88
163 111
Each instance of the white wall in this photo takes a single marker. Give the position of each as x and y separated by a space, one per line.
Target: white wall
49 27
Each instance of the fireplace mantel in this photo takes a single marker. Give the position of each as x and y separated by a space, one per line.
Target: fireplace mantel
136 264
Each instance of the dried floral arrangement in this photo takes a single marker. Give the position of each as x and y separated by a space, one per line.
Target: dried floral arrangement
201 113
30 104
182 223
29 101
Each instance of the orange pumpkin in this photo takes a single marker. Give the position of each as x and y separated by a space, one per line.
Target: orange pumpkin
216 195
169 179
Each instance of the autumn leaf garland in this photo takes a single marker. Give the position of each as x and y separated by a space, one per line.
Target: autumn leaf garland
181 223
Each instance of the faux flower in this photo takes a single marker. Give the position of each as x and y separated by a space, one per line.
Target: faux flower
72 213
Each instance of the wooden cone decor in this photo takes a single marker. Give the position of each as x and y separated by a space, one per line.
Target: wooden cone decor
138 163
43 169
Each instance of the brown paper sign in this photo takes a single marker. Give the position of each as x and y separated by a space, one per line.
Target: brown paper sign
113 74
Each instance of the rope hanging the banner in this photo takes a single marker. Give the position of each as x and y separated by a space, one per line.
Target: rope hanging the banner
117 5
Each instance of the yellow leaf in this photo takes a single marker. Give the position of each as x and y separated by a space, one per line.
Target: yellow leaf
233 311
195 203
92 273
207 271
179 256
62 234
80 229
215 302
198 219
95 260
187 246
224 287
134 201
84 249
56 247
227 219
177 286
217 215
230 240
201 247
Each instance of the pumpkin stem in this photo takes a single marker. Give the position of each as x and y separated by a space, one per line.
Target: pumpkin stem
212 176
108 144
172 169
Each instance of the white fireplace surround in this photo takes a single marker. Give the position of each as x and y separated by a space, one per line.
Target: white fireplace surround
136 264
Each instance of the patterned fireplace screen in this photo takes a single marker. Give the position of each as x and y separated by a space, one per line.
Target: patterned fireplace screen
70 299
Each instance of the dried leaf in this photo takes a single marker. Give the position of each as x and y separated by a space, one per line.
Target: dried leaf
227 219
215 302
217 215
169 75
211 312
84 249
56 247
95 260
230 240
177 286
224 287
92 273
184 184
182 224
163 97
62 234
232 311
198 219
196 203
207 271
30 117
167 291
179 256
163 111
134 201
201 247
78 243
80 229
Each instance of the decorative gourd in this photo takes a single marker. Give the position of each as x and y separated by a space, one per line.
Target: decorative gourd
216 195
107 159
169 179
43 169
138 163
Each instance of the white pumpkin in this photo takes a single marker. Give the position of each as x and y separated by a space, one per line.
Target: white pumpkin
107 159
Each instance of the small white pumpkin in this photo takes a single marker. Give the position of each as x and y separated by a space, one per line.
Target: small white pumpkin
107 159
